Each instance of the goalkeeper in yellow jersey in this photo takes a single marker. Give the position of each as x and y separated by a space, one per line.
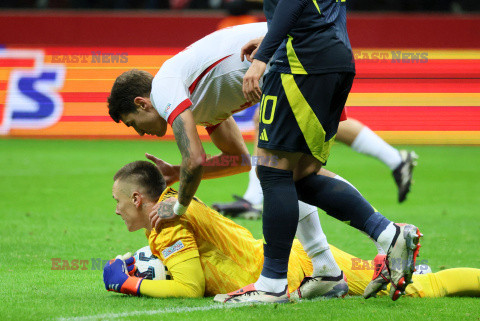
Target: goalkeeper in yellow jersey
208 254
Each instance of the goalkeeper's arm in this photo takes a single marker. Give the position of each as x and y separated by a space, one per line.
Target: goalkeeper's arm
188 282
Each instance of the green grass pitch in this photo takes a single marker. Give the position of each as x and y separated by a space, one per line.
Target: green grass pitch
56 203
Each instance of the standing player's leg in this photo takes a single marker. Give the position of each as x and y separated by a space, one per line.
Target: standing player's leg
289 131
363 140
309 230
305 134
253 199
334 196
280 216
285 117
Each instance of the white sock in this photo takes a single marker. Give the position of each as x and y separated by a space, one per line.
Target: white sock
314 242
369 143
254 193
386 237
270 285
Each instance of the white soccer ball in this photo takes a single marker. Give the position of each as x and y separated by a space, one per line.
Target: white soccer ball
422 269
149 266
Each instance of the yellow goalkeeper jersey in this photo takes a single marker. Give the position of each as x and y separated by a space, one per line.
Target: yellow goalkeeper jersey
230 257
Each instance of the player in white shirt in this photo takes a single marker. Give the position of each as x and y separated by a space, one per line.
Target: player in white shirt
205 77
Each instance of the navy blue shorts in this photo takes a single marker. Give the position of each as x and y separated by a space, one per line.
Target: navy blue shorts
300 113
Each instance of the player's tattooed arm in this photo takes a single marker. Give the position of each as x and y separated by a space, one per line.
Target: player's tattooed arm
191 169
193 156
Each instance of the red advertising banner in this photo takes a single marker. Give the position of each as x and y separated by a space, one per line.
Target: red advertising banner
412 94
408 96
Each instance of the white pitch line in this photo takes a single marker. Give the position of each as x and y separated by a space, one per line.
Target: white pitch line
152 312
219 306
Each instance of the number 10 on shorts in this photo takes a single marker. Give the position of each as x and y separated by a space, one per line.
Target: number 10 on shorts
266 101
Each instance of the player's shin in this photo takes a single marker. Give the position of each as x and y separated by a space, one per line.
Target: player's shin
380 249
342 201
280 218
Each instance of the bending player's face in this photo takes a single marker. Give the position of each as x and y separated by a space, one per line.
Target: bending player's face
146 119
129 205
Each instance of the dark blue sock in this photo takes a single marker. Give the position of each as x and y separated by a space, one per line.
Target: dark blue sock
275 268
375 225
280 219
339 200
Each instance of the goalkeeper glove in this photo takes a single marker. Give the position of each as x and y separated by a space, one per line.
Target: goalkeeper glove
129 262
131 267
116 278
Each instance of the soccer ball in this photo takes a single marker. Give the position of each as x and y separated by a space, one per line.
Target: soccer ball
149 266
422 269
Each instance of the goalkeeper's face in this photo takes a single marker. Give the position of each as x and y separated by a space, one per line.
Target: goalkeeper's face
130 203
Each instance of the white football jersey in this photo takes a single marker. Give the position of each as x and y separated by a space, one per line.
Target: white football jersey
206 77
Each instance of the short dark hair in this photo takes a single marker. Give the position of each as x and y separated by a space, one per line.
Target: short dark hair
127 86
146 175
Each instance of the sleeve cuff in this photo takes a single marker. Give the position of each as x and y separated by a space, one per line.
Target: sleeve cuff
261 58
180 109
132 286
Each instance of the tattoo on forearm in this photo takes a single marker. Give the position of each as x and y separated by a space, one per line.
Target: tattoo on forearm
189 179
188 184
183 142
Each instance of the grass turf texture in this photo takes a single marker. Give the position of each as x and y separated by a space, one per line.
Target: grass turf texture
56 203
